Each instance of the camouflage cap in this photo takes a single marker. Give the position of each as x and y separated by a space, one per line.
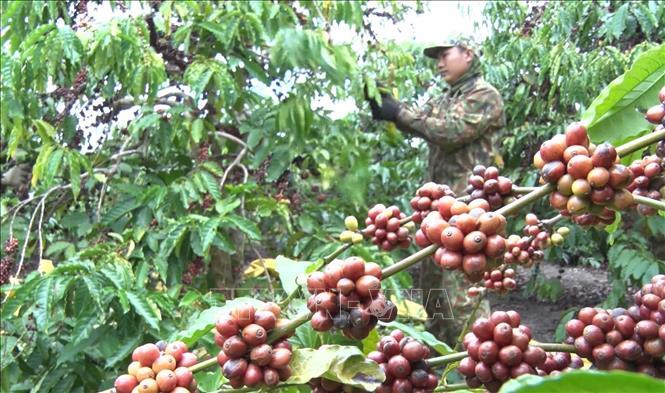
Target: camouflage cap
462 41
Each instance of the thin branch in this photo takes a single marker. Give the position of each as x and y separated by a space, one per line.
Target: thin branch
231 137
265 270
468 321
230 167
25 246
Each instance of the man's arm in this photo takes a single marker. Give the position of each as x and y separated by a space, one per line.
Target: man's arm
459 125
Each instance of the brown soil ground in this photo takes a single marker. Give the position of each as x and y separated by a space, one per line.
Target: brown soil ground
582 286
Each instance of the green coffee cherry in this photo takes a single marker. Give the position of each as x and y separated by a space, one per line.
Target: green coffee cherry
351 223
563 231
557 239
346 237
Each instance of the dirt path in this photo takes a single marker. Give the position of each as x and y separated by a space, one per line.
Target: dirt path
582 286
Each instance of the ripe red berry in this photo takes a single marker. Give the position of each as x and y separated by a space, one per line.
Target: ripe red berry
125 383
399 366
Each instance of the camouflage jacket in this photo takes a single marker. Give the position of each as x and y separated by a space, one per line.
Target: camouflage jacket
461 128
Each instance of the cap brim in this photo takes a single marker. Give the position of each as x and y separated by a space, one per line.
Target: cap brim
433 51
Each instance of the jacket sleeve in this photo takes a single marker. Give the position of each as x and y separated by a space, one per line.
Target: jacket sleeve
460 124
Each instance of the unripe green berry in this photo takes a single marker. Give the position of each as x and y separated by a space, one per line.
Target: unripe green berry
563 231
351 223
346 236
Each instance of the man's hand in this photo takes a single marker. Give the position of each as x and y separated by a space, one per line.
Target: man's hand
387 110
16 176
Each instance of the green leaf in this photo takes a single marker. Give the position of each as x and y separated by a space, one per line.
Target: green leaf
45 131
209 381
74 173
213 168
345 364
616 23
119 209
424 336
43 302
207 233
197 130
7 344
583 381
613 115
243 224
52 166
211 185
57 247
124 350
42 159
145 308
289 271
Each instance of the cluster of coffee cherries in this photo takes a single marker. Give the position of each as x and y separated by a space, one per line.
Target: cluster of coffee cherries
426 199
647 182
350 233
619 339
528 249
559 362
193 270
485 183
7 261
589 179
347 295
159 367
246 358
656 114
499 280
469 236
324 385
402 360
499 349
384 227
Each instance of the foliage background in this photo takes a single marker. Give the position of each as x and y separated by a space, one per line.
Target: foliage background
207 153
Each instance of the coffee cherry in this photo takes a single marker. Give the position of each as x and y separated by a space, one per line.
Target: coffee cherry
148 386
413 351
510 355
503 334
147 354
488 352
243 314
576 134
474 242
183 376
254 335
266 319
234 368
316 282
321 321
553 171
368 286
234 347
534 357
579 166
280 358
399 366
125 383
166 380
655 114
164 362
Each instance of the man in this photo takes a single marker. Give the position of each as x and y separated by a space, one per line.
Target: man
460 128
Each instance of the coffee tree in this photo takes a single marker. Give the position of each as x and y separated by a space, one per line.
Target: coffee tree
150 206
